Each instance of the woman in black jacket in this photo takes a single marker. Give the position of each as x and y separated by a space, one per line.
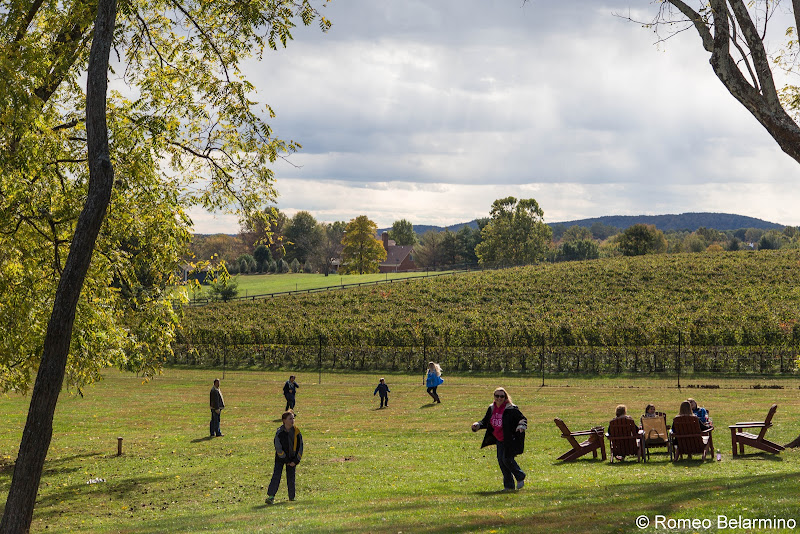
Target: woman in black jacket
505 426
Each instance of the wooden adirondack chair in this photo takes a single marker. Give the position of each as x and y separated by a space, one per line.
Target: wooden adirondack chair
625 439
595 441
742 438
655 431
688 439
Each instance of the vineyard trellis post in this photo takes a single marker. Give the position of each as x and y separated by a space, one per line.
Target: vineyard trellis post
678 357
739 353
319 361
524 362
541 365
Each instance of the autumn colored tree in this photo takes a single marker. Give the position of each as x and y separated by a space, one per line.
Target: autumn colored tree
362 250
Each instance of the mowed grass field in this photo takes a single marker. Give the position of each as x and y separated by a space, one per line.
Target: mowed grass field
414 467
263 284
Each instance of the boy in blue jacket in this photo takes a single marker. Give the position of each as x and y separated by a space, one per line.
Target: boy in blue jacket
383 389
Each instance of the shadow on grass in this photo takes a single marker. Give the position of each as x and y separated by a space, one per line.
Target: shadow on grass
611 510
763 456
576 509
428 405
276 504
6 467
204 438
52 505
492 493
581 460
51 467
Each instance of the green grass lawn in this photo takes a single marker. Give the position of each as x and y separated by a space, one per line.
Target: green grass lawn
414 467
262 284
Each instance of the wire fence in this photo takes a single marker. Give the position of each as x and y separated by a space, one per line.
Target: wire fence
545 360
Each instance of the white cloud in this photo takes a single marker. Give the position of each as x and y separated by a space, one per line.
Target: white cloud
430 110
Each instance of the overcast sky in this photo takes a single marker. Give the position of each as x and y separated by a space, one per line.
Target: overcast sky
430 110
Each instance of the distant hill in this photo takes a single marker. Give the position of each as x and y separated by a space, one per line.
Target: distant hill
420 229
683 221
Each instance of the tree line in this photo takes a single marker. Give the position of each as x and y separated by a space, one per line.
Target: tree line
514 233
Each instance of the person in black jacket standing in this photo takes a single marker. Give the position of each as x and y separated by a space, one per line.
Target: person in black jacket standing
289 391
505 426
288 451
384 390
217 404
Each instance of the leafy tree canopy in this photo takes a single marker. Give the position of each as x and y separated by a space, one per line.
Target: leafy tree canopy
362 251
262 255
516 233
642 239
580 249
330 246
576 233
184 131
430 253
402 232
303 235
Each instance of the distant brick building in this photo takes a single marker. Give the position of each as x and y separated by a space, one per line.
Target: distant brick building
399 258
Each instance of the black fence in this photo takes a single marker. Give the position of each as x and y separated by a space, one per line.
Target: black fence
545 359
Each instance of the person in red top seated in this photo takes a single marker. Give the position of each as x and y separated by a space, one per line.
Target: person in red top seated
505 427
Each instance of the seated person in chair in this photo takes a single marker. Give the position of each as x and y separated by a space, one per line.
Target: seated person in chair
650 411
622 412
702 414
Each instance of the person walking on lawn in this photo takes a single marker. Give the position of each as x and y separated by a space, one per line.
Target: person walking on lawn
505 426
289 391
383 389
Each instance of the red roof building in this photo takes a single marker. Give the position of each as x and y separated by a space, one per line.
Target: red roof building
399 258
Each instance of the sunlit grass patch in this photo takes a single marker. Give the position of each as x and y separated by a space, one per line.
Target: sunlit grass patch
413 467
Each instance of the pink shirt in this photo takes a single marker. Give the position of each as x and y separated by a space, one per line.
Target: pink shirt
497 421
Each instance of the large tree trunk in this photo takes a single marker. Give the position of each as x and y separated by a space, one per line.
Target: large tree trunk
38 431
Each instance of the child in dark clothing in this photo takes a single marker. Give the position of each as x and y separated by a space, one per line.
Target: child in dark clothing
288 452
383 389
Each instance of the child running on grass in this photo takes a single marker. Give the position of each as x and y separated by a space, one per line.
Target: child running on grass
433 379
383 389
